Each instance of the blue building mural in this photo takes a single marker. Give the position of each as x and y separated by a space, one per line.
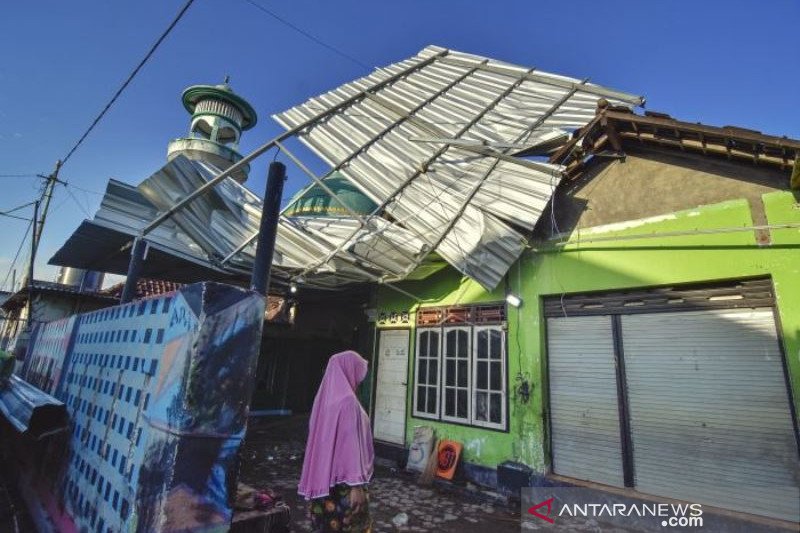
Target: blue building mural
158 393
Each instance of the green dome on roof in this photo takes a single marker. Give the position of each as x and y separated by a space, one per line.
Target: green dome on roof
317 202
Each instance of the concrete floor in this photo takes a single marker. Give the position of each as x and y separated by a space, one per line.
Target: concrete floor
273 458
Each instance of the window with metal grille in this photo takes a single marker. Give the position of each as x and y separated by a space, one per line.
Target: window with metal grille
460 375
426 389
455 386
489 378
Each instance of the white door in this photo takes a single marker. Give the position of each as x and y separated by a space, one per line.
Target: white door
390 395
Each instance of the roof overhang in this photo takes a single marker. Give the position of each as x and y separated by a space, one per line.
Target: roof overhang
614 128
20 298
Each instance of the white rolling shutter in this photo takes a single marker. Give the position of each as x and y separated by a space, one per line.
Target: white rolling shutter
709 411
584 412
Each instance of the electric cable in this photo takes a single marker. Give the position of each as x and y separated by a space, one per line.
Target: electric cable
16 255
90 191
8 212
13 216
308 35
81 206
129 79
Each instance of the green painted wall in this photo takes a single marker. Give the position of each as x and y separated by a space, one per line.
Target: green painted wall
616 264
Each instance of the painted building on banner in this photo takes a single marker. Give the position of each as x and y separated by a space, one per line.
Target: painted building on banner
157 393
654 342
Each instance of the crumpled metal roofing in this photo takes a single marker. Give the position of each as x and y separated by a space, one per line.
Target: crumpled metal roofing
222 220
468 200
30 410
101 243
196 241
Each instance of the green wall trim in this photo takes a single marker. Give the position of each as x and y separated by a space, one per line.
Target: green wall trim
611 265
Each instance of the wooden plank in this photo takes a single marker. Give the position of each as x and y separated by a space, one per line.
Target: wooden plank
735 133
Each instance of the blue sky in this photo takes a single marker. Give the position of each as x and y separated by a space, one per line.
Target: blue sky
717 62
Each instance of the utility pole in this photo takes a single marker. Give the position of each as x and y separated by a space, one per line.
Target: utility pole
37 226
34 243
47 195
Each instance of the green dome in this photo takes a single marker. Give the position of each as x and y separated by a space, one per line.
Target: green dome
318 203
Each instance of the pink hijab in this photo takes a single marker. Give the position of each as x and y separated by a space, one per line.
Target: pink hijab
339 448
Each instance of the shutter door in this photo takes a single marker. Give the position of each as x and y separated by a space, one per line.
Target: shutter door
709 410
584 421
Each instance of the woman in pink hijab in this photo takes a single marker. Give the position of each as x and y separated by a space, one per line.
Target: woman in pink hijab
339 454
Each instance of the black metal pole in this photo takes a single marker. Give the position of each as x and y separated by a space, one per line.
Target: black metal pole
138 252
34 242
269 228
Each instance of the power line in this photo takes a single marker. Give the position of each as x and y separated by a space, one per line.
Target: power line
23 206
7 212
16 255
14 216
81 206
130 77
306 34
19 175
70 184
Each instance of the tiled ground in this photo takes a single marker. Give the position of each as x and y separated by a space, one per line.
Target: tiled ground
273 458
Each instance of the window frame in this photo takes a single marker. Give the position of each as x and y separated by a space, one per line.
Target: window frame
415 412
472 332
443 376
489 391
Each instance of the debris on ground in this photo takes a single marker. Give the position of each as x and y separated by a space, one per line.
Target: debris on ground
400 520
440 507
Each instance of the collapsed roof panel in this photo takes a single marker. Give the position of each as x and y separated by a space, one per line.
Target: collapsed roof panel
224 220
429 138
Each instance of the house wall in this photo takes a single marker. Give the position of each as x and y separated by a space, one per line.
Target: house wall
481 446
47 307
657 182
580 267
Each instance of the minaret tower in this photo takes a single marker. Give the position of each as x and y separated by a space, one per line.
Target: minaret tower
219 116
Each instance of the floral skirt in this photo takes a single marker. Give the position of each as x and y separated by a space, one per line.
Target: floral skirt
334 513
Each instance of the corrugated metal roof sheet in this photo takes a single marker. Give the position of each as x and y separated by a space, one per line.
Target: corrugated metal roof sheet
30 410
102 247
195 242
431 139
229 215
463 200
